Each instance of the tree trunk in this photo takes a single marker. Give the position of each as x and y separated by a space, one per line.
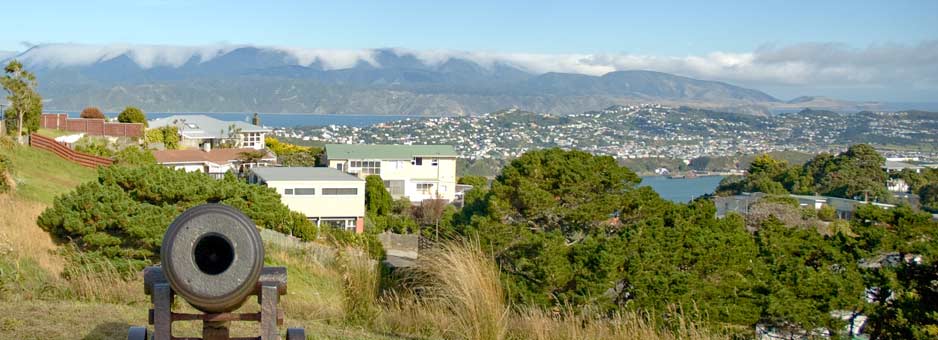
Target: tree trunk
19 127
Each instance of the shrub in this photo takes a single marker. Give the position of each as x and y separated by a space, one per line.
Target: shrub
367 242
827 213
92 112
124 213
134 156
6 183
94 146
168 135
132 115
154 136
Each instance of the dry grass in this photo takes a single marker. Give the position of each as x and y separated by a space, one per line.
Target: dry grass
465 282
535 323
315 286
21 238
101 281
461 297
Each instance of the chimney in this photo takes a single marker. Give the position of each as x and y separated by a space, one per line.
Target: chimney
207 147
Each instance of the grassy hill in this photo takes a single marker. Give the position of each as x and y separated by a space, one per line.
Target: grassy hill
50 291
36 299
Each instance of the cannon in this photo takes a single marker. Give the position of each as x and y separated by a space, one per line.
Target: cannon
213 257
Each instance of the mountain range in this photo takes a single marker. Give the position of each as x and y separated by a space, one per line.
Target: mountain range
379 81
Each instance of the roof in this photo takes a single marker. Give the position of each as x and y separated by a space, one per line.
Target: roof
900 165
303 174
202 126
217 156
387 151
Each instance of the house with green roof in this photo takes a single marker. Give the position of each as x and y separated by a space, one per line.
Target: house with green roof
418 172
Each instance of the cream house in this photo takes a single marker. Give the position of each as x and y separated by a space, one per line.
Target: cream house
417 172
326 196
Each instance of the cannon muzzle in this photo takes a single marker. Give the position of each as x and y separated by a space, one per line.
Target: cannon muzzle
212 256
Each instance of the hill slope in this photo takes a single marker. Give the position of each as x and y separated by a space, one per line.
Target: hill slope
380 81
36 300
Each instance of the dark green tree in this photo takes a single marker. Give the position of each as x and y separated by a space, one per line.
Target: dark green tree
928 195
553 189
377 199
124 213
132 115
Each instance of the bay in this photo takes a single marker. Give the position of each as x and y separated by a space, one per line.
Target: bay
682 189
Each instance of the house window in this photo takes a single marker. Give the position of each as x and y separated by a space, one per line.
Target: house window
417 161
344 224
340 167
396 188
340 191
288 191
368 167
425 188
434 162
304 191
252 139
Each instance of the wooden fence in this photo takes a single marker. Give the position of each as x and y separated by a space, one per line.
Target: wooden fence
65 152
95 127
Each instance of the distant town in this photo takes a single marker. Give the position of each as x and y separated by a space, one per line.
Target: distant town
649 131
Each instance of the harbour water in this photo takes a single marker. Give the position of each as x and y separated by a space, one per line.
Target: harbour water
682 189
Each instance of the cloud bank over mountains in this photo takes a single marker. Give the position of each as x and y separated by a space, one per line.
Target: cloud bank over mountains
829 64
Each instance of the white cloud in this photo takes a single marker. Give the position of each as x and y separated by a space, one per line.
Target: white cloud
817 64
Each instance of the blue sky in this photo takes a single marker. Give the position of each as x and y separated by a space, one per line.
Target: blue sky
645 27
787 48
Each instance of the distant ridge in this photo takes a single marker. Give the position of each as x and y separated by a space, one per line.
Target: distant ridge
381 81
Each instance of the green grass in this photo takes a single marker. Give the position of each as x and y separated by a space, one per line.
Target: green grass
45 319
51 133
41 175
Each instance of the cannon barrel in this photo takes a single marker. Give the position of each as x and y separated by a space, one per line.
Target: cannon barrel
212 256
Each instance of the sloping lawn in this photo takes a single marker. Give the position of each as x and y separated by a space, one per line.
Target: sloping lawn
41 175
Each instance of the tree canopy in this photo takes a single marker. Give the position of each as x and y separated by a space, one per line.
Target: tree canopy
124 213
132 115
92 112
569 228
856 174
26 105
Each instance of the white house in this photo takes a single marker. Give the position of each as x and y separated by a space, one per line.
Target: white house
201 131
897 166
418 172
215 163
326 196
845 208
897 185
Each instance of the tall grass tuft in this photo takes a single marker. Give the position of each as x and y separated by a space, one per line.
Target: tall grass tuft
460 280
95 279
361 278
